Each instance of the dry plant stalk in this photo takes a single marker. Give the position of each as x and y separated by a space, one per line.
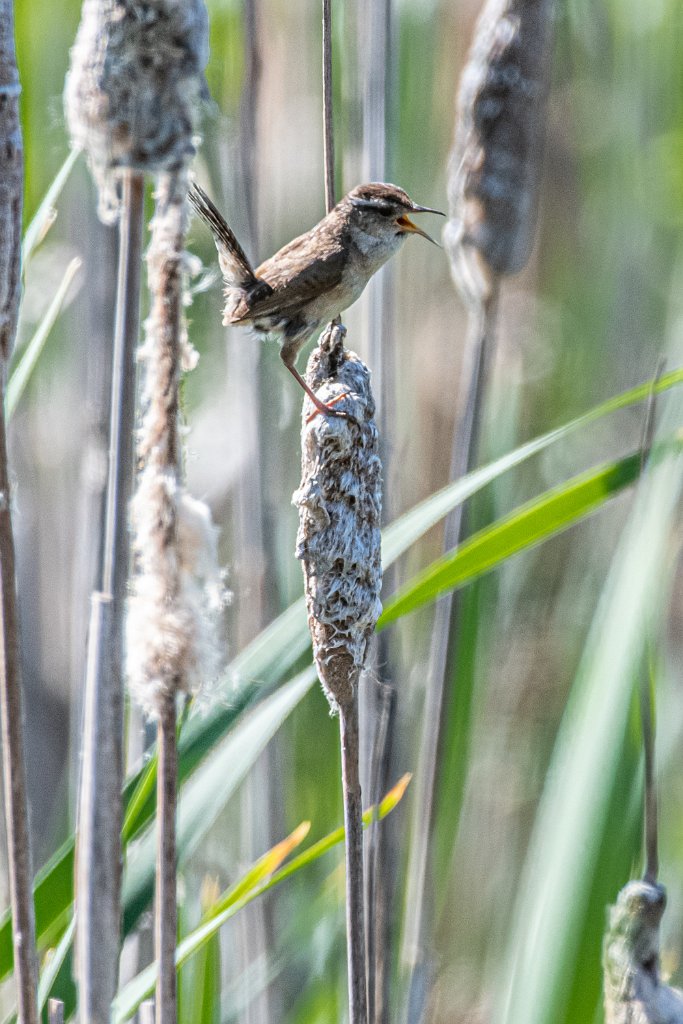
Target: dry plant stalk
176 588
338 542
11 711
494 175
137 72
634 991
328 119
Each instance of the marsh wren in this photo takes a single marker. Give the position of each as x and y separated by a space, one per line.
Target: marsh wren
315 277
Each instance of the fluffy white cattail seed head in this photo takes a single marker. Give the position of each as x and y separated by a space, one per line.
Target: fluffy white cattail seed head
176 591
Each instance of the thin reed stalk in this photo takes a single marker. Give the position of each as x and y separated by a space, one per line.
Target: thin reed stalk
493 192
11 710
55 1011
478 351
379 698
353 818
328 113
261 791
343 688
650 811
166 911
98 881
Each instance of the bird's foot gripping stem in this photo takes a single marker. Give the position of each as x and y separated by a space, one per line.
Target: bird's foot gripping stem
321 408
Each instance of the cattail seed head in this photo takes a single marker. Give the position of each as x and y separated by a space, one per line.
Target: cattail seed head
496 160
340 502
176 591
133 89
634 991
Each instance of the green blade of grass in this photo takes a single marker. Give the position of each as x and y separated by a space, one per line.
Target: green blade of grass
129 999
544 959
533 522
45 214
21 374
400 535
49 973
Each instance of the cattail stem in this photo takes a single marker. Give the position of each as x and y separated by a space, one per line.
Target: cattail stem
55 1011
650 813
126 332
166 915
478 354
650 816
99 812
328 121
353 825
11 712
13 762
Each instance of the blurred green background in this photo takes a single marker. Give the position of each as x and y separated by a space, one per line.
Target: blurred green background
589 317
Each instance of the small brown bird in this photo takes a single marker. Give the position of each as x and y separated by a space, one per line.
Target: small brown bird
315 277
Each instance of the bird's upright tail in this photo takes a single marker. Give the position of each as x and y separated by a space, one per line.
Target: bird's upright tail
235 265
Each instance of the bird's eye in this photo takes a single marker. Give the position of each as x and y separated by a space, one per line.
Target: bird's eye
386 211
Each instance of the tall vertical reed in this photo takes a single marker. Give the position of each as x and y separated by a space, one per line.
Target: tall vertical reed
378 705
494 175
131 102
11 710
339 504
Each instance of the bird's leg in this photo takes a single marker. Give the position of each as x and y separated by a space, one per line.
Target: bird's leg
320 407
288 353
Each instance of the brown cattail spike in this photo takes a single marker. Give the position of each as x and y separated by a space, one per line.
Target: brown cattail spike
634 991
339 502
137 73
497 154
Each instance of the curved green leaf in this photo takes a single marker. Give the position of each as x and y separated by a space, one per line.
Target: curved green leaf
45 214
129 999
533 522
21 374
399 536
544 959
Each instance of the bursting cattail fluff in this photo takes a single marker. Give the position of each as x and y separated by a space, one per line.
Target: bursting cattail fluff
340 502
176 587
133 88
634 991
496 159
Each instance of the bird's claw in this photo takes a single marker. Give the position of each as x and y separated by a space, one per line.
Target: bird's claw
325 409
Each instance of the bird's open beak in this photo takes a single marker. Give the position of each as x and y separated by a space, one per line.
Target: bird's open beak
407 225
427 209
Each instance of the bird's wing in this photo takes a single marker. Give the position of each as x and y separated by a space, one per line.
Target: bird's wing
306 268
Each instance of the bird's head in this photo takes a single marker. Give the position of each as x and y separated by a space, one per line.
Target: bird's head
382 211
